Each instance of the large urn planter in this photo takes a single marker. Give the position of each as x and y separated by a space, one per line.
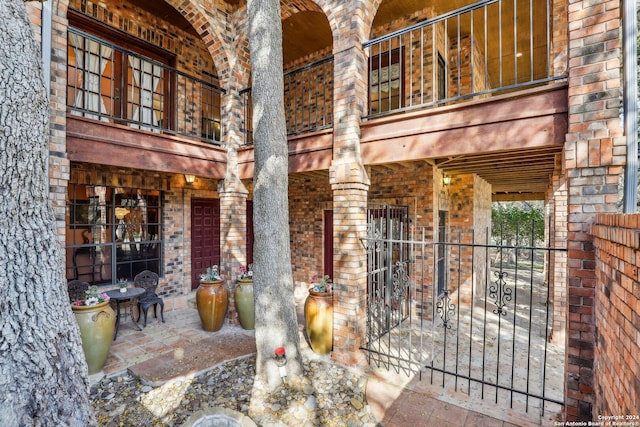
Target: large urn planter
318 317
97 325
211 299
245 304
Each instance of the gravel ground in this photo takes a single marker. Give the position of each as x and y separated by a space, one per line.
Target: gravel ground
328 395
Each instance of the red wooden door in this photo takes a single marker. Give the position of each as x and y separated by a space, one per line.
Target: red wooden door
249 242
328 243
205 237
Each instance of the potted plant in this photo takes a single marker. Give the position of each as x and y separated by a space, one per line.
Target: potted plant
97 321
122 284
211 299
243 296
318 314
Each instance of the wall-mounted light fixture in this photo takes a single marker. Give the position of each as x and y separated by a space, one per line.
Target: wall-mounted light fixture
446 179
190 179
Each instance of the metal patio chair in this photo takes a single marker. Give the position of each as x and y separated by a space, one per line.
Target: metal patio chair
149 281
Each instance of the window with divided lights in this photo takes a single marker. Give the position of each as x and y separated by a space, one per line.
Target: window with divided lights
385 81
112 233
112 84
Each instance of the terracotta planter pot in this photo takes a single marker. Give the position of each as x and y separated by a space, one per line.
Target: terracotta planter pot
97 324
245 303
318 317
211 299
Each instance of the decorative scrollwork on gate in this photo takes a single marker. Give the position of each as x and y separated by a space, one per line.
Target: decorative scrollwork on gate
500 293
373 241
446 309
399 284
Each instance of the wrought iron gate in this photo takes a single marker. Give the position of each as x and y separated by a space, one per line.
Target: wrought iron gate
485 331
388 296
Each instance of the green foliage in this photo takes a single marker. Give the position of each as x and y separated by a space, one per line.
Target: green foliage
517 223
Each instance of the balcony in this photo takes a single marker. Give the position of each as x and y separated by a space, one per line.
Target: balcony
118 99
478 51
109 83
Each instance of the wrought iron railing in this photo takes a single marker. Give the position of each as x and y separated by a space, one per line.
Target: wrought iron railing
486 332
113 84
308 99
488 47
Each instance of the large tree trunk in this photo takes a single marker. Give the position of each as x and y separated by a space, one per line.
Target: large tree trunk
276 319
43 375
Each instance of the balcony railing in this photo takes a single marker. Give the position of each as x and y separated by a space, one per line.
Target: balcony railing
486 48
308 99
112 84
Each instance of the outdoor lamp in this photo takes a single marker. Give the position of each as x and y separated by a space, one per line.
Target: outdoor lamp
190 178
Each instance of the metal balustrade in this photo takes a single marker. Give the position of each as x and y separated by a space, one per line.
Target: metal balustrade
308 99
109 83
480 50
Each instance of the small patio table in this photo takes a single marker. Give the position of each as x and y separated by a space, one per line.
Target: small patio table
118 296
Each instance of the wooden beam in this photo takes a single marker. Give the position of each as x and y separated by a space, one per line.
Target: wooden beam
91 141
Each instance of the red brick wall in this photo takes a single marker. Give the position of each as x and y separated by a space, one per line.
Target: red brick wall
309 196
617 315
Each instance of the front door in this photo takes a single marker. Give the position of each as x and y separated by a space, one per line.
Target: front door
328 243
205 237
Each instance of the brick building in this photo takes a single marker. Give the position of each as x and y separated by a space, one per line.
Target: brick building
439 106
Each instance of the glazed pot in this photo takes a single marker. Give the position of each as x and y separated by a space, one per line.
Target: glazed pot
245 303
211 299
318 317
97 325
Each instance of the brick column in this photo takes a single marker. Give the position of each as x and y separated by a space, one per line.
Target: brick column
233 193
594 158
59 165
350 184
233 237
556 225
350 263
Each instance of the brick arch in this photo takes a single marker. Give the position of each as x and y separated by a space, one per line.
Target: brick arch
289 8
336 13
208 27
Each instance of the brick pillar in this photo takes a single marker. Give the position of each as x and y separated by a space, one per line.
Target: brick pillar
594 158
350 263
556 264
233 193
59 165
233 237
350 184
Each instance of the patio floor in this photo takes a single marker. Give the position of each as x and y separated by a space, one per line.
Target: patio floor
162 351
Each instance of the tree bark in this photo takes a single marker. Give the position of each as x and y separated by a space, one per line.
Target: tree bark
43 374
276 319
